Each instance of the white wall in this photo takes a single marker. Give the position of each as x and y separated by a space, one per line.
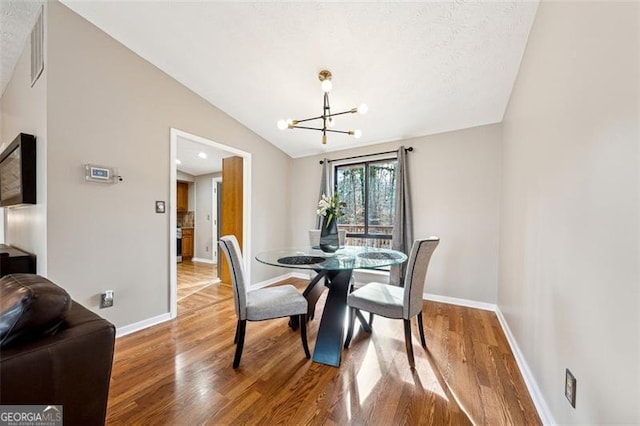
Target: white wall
455 180
204 243
185 177
109 106
24 110
569 286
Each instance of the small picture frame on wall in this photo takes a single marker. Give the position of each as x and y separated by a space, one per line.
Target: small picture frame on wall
160 207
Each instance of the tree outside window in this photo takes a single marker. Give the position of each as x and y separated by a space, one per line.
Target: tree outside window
368 189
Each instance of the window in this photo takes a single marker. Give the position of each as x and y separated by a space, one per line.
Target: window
368 189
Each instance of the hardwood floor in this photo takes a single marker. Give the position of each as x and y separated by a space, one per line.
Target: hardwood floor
180 373
194 276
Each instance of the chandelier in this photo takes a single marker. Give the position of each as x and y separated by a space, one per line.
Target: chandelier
327 117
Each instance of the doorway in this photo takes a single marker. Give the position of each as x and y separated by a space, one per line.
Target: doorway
197 161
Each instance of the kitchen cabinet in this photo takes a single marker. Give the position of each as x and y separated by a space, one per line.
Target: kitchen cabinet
183 197
187 243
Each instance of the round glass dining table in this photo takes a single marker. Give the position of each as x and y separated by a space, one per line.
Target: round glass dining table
335 270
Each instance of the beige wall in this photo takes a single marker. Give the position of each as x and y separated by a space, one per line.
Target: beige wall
108 106
24 110
569 219
455 180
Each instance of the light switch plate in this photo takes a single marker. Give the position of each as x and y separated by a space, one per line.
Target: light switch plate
570 388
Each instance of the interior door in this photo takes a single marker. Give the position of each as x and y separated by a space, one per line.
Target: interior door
232 206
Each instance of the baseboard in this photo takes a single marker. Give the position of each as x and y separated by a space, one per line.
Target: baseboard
141 325
460 302
279 278
300 275
529 379
199 259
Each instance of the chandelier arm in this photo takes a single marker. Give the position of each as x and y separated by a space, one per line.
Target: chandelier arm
308 128
351 111
308 119
346 132
320 116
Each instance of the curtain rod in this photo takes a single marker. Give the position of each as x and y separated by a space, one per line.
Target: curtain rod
368 155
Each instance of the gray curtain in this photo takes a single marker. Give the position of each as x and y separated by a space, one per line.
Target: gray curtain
402 237
325 187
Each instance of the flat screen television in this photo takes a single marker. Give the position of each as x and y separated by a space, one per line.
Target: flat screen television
18 172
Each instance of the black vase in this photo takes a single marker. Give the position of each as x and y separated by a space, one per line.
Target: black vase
329 236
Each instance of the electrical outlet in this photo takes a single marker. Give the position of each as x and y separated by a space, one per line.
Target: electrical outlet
106 299
570 388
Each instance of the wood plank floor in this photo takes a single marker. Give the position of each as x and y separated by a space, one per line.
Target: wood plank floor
194 276
179 372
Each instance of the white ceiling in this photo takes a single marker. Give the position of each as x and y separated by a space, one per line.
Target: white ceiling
188 153
422 67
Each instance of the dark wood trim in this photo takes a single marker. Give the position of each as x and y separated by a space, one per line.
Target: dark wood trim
26 145
231 219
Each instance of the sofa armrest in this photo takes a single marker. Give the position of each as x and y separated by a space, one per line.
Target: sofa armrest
71 368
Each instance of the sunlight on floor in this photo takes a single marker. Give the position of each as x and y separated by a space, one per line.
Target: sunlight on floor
196 289
368 374
426 378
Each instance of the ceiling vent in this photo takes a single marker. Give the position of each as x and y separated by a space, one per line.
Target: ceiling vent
37 49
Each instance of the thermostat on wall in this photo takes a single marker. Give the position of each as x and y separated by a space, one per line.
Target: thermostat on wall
102 174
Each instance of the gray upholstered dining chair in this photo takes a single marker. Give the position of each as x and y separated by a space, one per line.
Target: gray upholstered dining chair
260 304
397 302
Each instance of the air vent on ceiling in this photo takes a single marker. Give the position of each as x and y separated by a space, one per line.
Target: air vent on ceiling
37 49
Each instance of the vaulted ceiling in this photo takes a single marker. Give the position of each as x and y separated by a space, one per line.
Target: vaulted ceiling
422 67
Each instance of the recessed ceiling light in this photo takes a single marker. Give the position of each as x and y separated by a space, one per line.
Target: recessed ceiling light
202 155
178 161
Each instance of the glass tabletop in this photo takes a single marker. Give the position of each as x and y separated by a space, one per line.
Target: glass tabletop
348 257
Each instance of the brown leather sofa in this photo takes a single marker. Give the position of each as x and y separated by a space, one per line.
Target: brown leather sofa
64 362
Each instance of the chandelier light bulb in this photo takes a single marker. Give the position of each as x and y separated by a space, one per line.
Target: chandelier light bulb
331 122
326 86
282 124
202 155
363 108
357 133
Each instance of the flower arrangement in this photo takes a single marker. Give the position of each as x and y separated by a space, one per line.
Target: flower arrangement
330 207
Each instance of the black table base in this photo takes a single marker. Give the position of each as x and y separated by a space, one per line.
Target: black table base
328 348
329 341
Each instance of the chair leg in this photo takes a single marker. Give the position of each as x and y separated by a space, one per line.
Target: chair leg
363 322
370 319
303 334
352 319
235 338
294 322
421 328
242 326
407 341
